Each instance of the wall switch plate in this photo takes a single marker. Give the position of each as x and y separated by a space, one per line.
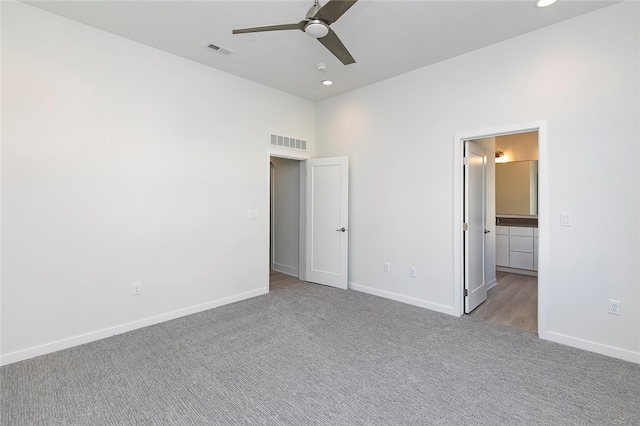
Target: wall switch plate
252 214
136 289
387 267
614 307
413 271
565 219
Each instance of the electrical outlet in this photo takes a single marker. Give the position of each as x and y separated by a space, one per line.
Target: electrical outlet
136 289
413 271
614 307
387 267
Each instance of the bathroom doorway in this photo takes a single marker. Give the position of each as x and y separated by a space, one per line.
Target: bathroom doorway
512 249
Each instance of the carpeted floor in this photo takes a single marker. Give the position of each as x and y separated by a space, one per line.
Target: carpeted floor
313 355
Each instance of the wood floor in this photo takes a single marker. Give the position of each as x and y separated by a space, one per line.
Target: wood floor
513 302
279 280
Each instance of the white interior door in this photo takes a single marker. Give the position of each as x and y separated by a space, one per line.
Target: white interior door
474 217
326 230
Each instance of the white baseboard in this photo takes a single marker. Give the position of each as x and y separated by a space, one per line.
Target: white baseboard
590 346
517 271
450 310
289 270
47 348
492 284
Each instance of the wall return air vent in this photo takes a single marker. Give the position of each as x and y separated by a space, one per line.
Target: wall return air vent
287 142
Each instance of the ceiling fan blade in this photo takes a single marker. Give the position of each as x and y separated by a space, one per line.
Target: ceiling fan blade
299 26
335 46
333 10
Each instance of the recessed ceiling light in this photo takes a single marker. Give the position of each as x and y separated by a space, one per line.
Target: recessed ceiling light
327 82
545 3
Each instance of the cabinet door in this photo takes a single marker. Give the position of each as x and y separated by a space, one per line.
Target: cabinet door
502 250
521 260
524 244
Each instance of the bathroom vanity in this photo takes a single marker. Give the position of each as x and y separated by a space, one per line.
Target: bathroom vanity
517 244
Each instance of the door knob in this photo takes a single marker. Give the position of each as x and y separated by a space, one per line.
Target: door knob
486 231
343 229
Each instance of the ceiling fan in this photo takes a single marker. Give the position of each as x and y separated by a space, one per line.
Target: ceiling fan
316 24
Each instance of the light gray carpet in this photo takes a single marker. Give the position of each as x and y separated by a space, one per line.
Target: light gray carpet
312 355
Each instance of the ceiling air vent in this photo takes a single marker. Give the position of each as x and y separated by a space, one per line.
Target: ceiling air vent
287 142
221 50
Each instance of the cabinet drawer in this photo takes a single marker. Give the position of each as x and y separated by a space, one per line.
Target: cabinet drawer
524 244
502 230
521 231
521 260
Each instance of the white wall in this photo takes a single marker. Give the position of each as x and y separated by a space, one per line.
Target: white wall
286 214
124 164
580 76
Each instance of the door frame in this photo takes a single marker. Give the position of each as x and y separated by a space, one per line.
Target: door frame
543 216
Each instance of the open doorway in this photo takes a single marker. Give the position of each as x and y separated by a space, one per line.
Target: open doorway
511 231
284 241
317 190
514 243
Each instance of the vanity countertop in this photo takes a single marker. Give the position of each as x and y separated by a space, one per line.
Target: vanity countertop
529 222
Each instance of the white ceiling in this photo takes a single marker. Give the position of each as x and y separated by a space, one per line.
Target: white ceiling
386 38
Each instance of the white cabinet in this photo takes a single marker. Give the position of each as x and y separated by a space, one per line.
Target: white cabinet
521 260
502 246
517 247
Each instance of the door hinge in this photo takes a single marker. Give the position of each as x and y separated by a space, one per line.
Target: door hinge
465 226
466 292
465 161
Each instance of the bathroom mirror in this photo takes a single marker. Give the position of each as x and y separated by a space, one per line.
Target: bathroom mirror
517 188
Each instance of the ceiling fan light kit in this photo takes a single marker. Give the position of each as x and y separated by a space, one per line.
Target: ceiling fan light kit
316 29
317 24
544 3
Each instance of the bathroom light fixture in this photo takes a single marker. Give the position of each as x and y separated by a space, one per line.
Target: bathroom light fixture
500 157
544 3
327 82
499 154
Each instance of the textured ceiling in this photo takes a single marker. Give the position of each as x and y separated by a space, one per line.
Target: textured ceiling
386 38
